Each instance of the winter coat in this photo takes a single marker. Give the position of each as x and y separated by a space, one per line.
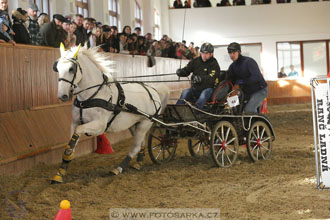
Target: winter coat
21 33
245 72
209 71
51 35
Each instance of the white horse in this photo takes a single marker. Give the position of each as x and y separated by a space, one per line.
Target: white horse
102 104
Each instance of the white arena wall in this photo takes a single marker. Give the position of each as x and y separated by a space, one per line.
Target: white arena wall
265 24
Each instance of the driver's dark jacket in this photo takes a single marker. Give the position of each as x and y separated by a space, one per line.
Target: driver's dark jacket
245 72
209 71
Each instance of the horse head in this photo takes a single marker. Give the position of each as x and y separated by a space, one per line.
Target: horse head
69 71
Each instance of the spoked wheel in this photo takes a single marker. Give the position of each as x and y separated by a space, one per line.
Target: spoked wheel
199 147
161 146
224 144
259 142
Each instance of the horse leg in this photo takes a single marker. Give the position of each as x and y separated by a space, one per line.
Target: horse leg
139 134
140 157
66 159
94 127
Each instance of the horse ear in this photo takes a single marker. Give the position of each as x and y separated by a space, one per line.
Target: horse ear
62 49
76 53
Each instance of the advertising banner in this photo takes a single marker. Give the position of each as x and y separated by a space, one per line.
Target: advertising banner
323 127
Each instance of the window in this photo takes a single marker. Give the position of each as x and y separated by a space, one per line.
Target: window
138 16
45 6
114 11
157 33
308 58
315 59
289 56
82 7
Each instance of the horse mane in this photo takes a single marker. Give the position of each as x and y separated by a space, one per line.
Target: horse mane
101 60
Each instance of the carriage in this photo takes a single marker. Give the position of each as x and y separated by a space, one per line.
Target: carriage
216 131
103 104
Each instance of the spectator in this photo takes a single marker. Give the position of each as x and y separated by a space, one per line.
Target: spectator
52 33
66 29
91 28
238 2
21 33
186 4
99 24
123 46
293 73
71 37
205 77
245 74
86 30
98 35
257 2
34 27
196 52
66 25
224 3
115 41
43 19
282 74
80 31
177 4
132 45
4 31
4 11
172 49
142 46
149 40
137 30
127 30
202 3
106 38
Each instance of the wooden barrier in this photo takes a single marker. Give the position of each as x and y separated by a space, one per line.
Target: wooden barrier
35 125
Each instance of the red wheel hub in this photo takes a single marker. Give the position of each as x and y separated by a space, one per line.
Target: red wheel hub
224 145
259 142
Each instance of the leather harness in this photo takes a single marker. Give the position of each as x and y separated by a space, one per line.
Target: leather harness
92 102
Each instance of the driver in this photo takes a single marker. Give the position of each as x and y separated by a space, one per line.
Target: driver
245 74
205 77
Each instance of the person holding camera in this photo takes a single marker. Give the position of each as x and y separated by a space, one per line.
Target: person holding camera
205 77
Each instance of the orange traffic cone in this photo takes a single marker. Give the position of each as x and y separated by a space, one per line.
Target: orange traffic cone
103 145
264 108
65 212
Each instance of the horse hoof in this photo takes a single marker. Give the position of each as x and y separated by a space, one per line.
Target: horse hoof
54 182
57 179
115 172
137 165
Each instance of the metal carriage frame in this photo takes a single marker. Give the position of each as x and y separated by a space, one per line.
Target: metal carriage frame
210 133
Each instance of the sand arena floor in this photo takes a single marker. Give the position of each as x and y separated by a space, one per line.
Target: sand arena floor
281 188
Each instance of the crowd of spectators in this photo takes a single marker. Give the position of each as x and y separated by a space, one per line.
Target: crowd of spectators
207 3
26 27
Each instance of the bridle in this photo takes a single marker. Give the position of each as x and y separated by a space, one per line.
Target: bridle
74 70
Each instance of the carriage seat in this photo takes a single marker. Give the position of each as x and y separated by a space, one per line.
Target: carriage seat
221 91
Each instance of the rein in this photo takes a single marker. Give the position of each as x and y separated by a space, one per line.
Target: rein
143 76
153 81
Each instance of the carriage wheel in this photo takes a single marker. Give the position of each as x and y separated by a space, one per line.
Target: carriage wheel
198 147
224 144
161 146
259 142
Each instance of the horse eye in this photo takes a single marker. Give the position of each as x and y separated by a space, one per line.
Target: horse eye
71 70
